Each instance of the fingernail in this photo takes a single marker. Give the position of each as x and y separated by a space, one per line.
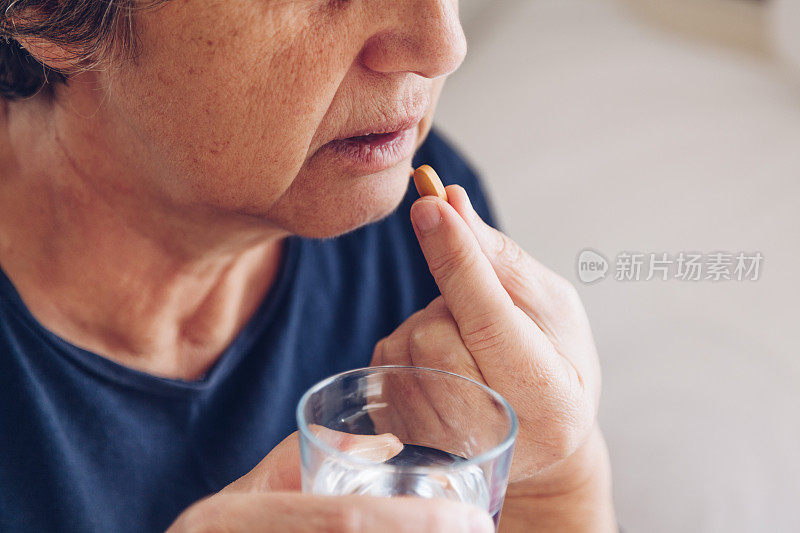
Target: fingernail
426 216
378 448
480 522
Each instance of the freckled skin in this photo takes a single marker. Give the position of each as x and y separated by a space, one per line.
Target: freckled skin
142 210
221 120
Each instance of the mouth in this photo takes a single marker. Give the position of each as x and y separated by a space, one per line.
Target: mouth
374 139
375 148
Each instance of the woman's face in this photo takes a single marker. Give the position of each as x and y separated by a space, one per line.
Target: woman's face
261 108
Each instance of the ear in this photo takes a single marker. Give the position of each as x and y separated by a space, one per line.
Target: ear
49 54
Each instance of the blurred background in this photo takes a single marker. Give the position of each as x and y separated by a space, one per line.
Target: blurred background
661 126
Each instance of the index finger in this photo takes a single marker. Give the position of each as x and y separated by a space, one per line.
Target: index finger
480 305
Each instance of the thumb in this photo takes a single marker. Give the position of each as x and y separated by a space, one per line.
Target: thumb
280 469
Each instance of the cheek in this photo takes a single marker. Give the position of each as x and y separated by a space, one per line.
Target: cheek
229 105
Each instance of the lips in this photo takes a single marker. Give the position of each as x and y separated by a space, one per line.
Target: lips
368 154
384 127
374 148
374 139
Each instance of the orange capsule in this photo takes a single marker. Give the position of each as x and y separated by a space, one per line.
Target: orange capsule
428 183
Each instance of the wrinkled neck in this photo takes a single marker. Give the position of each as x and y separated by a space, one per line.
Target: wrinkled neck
120 273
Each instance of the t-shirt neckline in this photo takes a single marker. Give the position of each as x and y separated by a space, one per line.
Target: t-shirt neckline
152 384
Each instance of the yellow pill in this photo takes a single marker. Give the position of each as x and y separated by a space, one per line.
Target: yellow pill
428 183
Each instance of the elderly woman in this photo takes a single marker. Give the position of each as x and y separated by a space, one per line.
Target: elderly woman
204 209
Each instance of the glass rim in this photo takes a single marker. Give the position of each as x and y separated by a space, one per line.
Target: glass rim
482 458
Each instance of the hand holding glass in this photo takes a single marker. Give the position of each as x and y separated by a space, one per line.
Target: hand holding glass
457 436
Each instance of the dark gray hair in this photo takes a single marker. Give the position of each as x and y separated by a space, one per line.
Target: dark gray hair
91 31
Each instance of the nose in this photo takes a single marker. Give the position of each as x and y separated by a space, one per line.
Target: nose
420 36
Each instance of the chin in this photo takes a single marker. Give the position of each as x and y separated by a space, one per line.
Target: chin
325 212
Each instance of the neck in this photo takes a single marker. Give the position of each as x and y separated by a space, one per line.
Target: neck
118 274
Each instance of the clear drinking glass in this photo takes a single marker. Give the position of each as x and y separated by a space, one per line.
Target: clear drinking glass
457 435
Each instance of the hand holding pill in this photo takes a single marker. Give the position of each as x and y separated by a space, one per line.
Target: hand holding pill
509 322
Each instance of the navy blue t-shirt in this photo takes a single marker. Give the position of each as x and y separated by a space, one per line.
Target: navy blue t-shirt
89 445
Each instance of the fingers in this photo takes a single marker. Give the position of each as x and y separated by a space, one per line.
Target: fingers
506 344
415 419
540 292
378 448
295 513
430 338
393 349
280 469
465 277
438 345
486 316
547 298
